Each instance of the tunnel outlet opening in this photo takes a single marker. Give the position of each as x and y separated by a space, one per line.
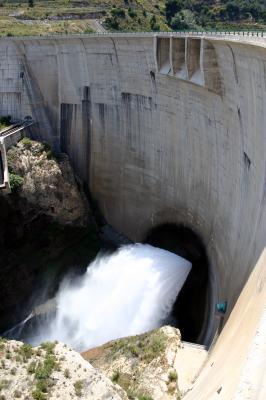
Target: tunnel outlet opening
191 309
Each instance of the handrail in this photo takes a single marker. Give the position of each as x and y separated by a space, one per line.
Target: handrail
213 33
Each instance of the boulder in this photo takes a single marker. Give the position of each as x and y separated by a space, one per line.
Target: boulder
49 185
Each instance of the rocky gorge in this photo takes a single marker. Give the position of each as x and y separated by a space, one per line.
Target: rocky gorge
48 230
139 368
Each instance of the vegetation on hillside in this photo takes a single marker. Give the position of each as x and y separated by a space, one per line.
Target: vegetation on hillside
136 15
142 365
200 14
42 17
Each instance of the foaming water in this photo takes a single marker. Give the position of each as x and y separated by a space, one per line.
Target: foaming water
127 293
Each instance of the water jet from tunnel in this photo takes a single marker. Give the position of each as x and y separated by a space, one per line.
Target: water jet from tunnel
129 292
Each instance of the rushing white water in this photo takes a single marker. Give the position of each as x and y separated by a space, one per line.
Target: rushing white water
127 293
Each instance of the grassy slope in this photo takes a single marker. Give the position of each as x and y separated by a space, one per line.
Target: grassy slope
42 12
138 16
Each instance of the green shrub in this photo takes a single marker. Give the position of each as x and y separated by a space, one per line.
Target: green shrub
118 12
11 158
26 351
16 182
78 385
18 358
38 395
43 372
42 385
112 23
32 367
45 369
153 24
67 373
26 142
115 376
146 347
131 13
172 376
48 347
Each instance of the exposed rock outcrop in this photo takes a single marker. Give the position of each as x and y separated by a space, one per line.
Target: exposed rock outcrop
48 184
45 230
142 365
51 371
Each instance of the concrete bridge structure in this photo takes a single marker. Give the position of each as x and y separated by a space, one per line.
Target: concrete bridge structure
9 137
167 129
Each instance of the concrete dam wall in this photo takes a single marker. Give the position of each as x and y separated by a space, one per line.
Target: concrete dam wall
166 131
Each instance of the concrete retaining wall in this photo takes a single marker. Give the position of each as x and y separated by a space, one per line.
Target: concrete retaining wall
12 139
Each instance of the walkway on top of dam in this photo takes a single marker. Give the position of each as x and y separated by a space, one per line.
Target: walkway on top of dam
253 37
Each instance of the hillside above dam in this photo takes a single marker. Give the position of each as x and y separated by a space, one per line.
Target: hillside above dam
42 17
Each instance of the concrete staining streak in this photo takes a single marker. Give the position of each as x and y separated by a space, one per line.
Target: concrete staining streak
166 128
234 63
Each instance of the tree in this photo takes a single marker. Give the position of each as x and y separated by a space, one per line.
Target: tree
223 13
172 7
112 23
178 23
233 11
183 20
131 13
31 3
118 12
153 24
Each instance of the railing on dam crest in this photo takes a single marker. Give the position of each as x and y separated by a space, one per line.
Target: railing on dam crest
238 35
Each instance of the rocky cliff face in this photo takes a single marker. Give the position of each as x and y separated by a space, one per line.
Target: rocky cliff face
51 371
45 229
143 365
48 186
